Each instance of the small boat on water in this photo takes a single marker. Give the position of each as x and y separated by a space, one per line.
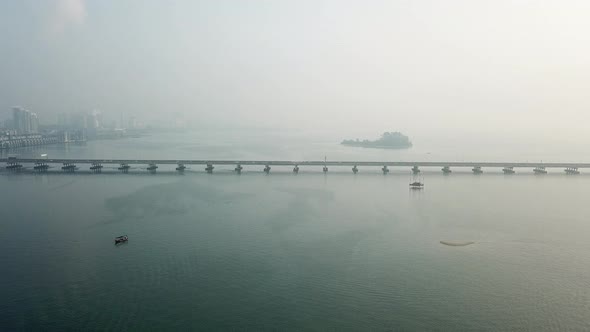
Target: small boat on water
416 185
121 239
416 182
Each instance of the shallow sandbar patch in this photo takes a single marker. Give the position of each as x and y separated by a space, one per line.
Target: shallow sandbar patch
456 243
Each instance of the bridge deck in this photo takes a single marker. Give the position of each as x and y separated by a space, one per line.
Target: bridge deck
303 163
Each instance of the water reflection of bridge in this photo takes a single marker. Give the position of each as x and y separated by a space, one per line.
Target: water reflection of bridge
266 165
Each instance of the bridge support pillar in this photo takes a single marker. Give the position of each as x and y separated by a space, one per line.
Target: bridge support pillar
238 169
40 166
267 169
415 169
14 166
477 170
180 167
124 168
385 170
68 167
325 169
572 171
508 170
446 170
96 167
540 170
209 168
152 167
296 169
355 169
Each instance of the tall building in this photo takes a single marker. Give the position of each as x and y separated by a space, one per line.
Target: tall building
95 119
24 122
132 123
34 123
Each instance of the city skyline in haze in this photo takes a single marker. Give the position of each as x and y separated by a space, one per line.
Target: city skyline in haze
490 66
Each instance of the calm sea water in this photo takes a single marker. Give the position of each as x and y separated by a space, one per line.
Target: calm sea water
290 252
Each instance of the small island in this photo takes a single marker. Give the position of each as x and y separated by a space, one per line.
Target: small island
389 140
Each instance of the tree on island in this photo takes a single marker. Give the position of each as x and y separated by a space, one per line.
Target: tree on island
389 140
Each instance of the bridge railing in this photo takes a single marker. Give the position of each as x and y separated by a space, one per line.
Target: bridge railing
305 163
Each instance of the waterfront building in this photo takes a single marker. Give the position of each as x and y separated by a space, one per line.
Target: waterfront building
24 121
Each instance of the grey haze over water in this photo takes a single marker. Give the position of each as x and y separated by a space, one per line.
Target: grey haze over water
292 144
477 67
290 252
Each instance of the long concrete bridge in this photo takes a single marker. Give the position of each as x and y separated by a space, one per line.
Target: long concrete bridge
42 164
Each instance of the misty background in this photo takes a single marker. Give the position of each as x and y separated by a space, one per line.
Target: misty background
489 71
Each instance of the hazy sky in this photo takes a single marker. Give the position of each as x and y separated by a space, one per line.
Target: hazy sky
505 65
